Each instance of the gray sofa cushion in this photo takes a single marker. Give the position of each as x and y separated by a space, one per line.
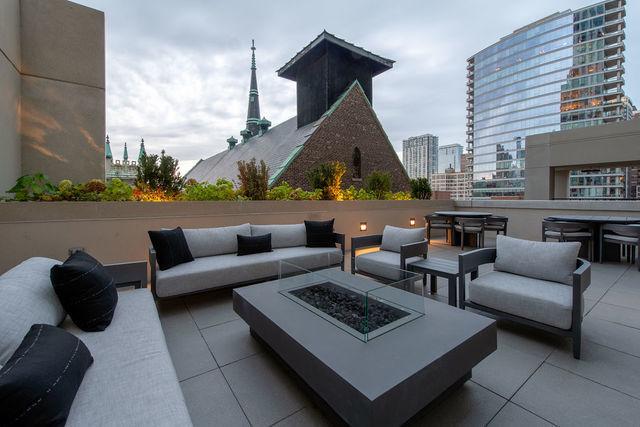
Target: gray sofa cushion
205 242
540 300
26 298
382 263
394 237
230 269
132 380
540 260
282 235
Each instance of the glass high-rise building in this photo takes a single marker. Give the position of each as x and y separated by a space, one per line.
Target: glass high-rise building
420 156
561 72
449 156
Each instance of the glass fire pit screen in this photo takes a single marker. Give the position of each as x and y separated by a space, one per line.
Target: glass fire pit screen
360 306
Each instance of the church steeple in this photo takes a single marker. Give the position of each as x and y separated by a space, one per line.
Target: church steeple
253 112
143 152
107 149
126 153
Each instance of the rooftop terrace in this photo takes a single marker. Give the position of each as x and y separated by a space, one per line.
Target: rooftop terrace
532 379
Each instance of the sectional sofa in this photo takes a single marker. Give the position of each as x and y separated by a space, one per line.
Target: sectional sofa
217 265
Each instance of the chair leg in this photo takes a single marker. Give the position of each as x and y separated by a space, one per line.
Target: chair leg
434 284
576 347
462 240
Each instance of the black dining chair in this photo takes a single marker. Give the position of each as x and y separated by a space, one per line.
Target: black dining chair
623 235
564 231
496 223
438 222
470 226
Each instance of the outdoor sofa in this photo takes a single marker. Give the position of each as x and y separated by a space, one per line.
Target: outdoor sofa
539 284
217 265
398 247
132 380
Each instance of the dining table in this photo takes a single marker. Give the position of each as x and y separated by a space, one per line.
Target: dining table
453 236
610 251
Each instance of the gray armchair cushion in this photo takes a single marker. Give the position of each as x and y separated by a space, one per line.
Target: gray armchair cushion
383 264
551 261
26 298
205 242
539 300
282 235
394 237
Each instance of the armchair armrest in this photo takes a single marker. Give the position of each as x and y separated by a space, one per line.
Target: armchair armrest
582 275
129 273
360 243
340 239
153 264
469 262
411 250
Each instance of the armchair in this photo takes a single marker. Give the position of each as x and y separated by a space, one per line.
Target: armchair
526 294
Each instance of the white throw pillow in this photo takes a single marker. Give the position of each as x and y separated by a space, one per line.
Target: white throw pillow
26 298
395 237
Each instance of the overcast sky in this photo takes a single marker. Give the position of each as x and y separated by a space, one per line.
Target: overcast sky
178 71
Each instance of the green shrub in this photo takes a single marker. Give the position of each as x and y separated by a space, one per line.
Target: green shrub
378 184
400 195
254 179
328 178
421 188
117 191
353 193
33 187
200 191
285 191
159 173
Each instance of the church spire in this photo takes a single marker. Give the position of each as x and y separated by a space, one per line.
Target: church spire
253 112
143 152
107 149
126 153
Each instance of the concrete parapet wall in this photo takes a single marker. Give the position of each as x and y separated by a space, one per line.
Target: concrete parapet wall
117 232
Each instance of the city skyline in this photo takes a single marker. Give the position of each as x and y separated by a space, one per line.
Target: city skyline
184 89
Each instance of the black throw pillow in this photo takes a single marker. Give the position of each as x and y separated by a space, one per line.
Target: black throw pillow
40 380
86 291
248 245
320 234
171 248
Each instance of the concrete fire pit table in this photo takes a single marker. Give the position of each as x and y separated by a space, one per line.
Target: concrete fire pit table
384 381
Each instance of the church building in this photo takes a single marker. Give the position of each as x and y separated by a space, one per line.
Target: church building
125 169
335 121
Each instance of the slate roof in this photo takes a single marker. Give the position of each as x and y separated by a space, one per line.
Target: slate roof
277 147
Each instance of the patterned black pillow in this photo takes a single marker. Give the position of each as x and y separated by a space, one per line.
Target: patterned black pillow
320 234
86 291
41 379
248 245
171 248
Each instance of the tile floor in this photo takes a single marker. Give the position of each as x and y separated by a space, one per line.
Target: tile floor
532 379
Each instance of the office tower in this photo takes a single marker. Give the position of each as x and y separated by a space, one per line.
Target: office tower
449 156
420 155
561 72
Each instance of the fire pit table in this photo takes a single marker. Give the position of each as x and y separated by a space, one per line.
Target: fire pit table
374 354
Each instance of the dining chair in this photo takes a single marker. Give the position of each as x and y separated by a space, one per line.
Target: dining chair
496 223
470 226
438 222
564 231
623 235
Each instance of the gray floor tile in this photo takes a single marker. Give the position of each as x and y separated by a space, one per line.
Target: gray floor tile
212 308
589 304
603 365
622 298
265 391
619 337
505 370
211 402
230 341
630 281
189 352
613 313
564 398
307 417
471 405
513 415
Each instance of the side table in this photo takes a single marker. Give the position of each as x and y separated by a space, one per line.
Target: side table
438 267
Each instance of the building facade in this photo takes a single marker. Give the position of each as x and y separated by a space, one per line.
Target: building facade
124 169
335 121
561 72
457 184
420 155
449 156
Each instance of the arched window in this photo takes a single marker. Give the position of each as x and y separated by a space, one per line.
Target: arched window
357 163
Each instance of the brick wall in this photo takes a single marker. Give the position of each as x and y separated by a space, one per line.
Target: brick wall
353 124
